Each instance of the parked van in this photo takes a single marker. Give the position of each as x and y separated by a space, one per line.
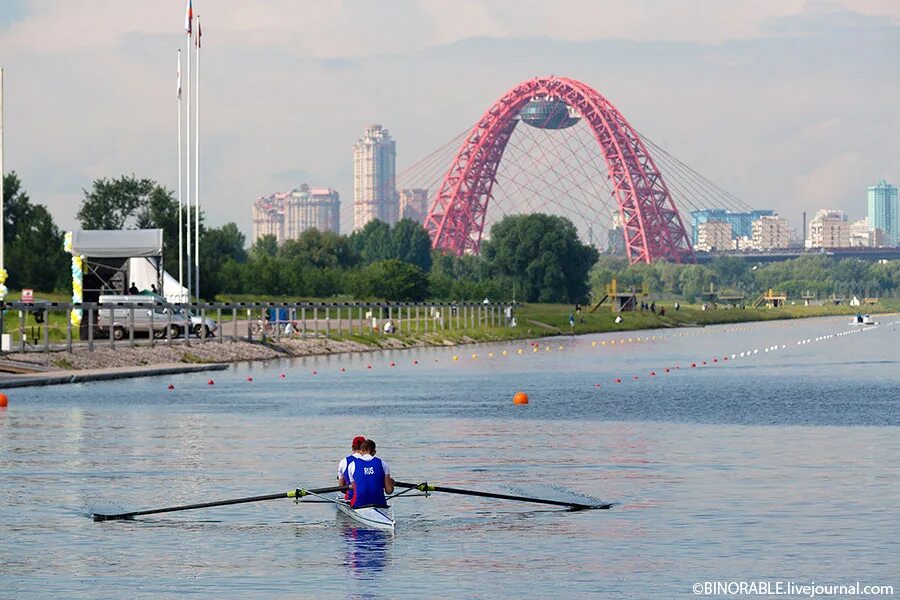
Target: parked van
200 326
117 318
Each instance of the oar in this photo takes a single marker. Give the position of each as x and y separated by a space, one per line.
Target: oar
427 487
296 493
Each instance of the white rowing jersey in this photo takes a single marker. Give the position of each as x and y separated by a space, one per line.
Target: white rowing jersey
366 457
342 466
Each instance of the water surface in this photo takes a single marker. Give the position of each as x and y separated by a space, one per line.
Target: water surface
783 463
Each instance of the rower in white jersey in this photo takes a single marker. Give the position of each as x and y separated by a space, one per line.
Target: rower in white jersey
355 453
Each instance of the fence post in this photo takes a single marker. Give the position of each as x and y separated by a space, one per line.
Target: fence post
46 330
250 325
187 325
220 328
111 330
131 325
277 323
327 322
303 322
234 336
152 331
169 310
203 328
69 329
90 328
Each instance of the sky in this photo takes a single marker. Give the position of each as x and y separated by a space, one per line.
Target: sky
788 104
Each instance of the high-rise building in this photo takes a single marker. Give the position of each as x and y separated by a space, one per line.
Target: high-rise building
374 178
714 235
414 204
615 235
288 214
741 222
770 231
829 229
883 210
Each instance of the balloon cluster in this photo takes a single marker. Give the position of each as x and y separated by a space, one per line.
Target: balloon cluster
77 279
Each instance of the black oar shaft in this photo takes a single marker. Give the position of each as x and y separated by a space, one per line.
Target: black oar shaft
154 511
450 490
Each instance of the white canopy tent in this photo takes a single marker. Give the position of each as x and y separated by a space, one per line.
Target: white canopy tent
140 252
124 243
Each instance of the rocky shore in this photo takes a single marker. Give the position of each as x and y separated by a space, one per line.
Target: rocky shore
212 351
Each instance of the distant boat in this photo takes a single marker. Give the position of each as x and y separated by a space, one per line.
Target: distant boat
860 319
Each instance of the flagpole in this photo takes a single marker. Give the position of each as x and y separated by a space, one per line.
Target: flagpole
197 171
188 175
180 187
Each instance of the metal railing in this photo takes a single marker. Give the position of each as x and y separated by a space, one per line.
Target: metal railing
46 326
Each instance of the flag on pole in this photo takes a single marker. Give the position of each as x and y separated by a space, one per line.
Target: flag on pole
188 17
178 88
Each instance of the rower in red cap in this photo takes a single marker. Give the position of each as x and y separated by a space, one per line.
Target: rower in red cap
355 453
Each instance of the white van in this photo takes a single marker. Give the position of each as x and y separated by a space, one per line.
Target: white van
117 318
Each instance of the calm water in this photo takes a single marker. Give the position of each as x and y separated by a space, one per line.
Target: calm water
782 464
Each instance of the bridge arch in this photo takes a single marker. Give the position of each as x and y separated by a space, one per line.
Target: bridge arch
652 227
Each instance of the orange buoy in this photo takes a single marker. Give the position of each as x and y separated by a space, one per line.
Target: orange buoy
170 387
282 375
249 379
315 372
693 364
209 382
4 401
393 365
520 398
343 369
666 370
415 362
618 380
368 366
652 373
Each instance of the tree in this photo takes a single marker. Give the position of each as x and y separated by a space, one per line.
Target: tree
131 203
266 245
411 243
373 242
395 280
542 255
219 246
34 254
319 249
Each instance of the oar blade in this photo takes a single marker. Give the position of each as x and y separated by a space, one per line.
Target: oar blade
572 506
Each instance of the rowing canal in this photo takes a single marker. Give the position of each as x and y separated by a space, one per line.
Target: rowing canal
783 463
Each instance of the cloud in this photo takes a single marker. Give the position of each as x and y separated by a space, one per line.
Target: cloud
762 97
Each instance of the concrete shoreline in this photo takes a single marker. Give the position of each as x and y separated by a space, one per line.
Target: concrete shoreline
107 374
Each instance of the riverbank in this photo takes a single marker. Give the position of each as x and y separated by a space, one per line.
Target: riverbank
534 321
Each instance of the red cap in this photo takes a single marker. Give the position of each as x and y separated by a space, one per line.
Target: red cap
357 441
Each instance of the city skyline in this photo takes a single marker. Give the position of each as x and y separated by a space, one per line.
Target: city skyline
766 134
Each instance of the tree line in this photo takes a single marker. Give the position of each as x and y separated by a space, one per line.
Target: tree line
817 275
532 258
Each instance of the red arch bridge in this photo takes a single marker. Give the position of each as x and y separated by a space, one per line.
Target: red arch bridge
575 154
